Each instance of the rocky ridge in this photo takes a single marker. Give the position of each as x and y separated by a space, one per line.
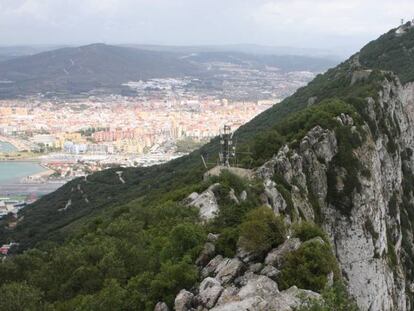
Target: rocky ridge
365 228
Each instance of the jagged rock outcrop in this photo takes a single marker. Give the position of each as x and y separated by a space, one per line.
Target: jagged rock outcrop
364 220
206 202
365 228
232 284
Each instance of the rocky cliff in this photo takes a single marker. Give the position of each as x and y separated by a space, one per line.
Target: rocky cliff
365 211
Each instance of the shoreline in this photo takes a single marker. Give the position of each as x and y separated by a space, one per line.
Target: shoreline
31 160
20 145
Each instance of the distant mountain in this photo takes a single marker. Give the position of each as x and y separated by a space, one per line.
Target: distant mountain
242 48
10 52
73 70
261 61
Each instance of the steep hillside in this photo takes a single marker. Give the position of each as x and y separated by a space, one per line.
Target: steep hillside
392 52
328 212
81 69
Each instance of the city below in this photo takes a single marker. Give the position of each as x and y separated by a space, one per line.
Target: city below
46 141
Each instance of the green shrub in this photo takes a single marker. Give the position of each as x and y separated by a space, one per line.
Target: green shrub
227 242
261 230
308 230
308 266
334 298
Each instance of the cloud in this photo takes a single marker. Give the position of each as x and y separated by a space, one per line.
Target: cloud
310 23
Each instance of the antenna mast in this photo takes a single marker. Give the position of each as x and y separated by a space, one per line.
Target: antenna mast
226 143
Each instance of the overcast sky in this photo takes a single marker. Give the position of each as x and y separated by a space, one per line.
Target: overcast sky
337 25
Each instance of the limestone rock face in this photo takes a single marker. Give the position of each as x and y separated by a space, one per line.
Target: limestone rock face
369 222
274 198
206 202
366 228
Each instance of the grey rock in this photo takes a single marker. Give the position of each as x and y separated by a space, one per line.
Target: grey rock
228 270
233 197
211 266
161 306
292 298
211 237
274 197
229 294
206 202
270 272
243 195
255 267
258 285
206 254
246 256
209 292
183 301
276 256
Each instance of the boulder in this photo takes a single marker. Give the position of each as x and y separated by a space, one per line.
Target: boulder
211 237
292 299
276 256
250 304
270 272
253 296
246 256
206 202
161 306
258 285
255 267
243 195
228 270
233 197
209 269
206 254
229 294
209 292
183 301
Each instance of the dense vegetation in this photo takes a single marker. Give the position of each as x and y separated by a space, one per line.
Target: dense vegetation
131 258
393 53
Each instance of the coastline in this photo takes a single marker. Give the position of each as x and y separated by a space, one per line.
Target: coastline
32 183
20 145
38 177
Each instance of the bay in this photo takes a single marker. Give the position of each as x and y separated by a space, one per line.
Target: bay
12 171
7 147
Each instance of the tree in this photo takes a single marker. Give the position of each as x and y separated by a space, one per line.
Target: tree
20 296
308 266
261 230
